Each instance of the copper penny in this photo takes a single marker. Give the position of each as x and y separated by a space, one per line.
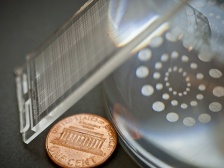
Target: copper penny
81 140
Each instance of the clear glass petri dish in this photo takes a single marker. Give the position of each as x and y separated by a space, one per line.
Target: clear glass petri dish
166 101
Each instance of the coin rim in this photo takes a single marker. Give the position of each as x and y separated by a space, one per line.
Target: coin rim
98 163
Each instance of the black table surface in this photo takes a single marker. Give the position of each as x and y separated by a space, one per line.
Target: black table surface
24 24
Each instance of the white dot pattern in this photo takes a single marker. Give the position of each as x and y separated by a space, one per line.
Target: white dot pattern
156 41
147 90
179 66
142 72
218 91
172 117
204 118
145 54
158 106
189 121
215 73
215 107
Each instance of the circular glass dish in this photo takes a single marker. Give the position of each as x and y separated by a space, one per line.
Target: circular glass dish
166 101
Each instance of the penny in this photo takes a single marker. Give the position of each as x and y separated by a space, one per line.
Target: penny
81 140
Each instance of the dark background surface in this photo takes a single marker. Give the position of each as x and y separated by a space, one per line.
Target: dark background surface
24 24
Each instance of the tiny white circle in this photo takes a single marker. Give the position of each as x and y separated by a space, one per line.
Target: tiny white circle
215 106
147 90
189 121
200 76
166 96
172 117
218 91
170 37
180 70
184 106
204 118
175 68
156 41
158 65
194 103
142 72
156 75
174 102
215 73
184 58
164 57
202 87
174 54
199 96
159 86
205 57
144 54
193 66
158 106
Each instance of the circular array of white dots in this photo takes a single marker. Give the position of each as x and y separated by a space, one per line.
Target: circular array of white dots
202 87
194 103
142 72
193 65
159 86
174 102
174 54
184 58
158 106
164 57
156 75
171 37
189 121
215 106
166 96
199 96
184 106
147 90
156 41
158 65
172 117
218 91
204 118
204 57
144 54
199 76
215 73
